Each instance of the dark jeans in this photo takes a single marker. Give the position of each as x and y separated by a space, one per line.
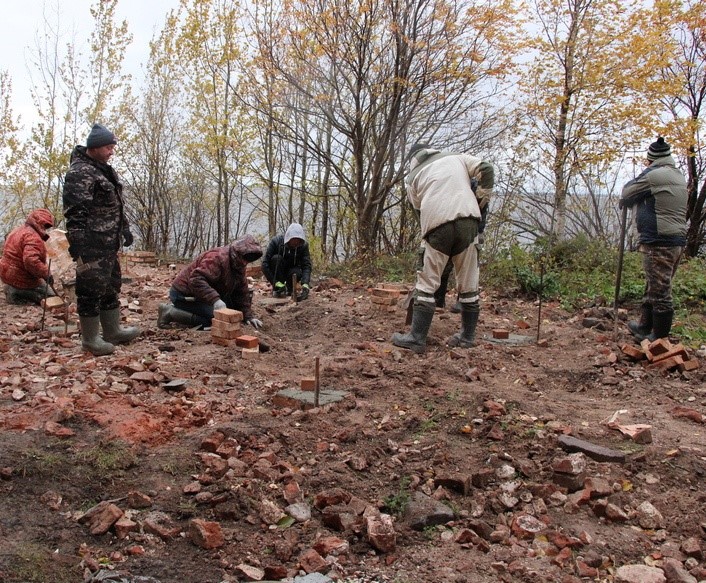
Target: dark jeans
202 311
35 295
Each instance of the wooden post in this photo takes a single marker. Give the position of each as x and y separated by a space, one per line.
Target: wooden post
295 295
316 384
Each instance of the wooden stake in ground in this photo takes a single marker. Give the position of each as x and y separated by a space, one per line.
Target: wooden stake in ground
619 274
295 294
316 384
46 294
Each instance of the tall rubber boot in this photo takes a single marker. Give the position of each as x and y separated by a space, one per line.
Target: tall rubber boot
662 325
469 320
641 330
91 340
113 332
416 340
168 313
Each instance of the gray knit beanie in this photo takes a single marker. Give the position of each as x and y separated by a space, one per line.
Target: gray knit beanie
100 136
658 149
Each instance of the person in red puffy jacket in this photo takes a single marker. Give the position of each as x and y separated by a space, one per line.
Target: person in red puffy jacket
23 267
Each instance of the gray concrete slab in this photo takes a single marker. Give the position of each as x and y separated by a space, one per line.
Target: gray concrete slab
296 398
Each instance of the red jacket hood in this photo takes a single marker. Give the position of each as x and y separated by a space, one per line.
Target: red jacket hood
40 220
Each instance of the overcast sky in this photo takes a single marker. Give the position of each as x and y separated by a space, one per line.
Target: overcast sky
22 20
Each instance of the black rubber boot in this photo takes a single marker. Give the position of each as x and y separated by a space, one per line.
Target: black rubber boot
662 325
416 340
113 332
641 330
469 320
91 340
168 313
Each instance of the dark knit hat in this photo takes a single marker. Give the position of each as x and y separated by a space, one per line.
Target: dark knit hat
100 136
658 149
418 146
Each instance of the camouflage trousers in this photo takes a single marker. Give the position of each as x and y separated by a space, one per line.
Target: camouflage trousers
660 265
98 283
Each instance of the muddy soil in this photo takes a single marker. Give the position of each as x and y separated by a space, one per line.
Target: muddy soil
476 430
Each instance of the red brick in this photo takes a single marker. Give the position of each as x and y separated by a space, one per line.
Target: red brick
229 330
223 341
385 292
228 315
247 341
677 350
308 384
385 300
666 363
501 334
687 365
632 352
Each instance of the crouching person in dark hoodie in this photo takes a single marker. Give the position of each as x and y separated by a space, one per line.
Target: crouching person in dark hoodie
214 280
288 255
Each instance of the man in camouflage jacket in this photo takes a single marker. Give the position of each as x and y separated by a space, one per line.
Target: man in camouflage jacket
96 229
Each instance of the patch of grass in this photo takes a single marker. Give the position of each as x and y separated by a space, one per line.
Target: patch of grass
396 504
108 457
35 564
37 462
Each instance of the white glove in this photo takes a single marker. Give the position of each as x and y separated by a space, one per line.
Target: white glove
255 323
219 305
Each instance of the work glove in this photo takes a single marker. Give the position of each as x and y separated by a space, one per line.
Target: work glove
128 239
254 322
219 305
304 293
280 290
49 279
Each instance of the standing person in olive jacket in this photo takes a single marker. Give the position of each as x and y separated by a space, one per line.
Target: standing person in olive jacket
287 255
659 197
214 280
96 228
23 264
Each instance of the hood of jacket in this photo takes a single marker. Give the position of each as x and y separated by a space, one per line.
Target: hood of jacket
294 231
41 220
245 250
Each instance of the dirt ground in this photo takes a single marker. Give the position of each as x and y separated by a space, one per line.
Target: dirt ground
78 430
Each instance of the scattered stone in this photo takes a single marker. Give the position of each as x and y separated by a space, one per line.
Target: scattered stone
381 532
639 574
249 573
138 500
424 511
299 511
101 517
205 534
649 517
675 572
312 562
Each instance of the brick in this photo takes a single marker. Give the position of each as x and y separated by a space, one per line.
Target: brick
250 353
228 315
308 384
632 352
253 271
652 349
385 300
688 365
53 302
223 341
677 350
596 452
385 292
229 330
501 334
666 363
247 341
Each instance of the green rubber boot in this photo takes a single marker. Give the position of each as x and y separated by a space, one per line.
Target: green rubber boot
416 340
91 340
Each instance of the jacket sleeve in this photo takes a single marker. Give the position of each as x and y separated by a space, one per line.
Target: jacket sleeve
77 199
33 254
306 264
635 191
484 173
208 270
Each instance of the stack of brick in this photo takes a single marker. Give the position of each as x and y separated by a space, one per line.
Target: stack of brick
249 346
662 355
225 326
143 257
384 298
